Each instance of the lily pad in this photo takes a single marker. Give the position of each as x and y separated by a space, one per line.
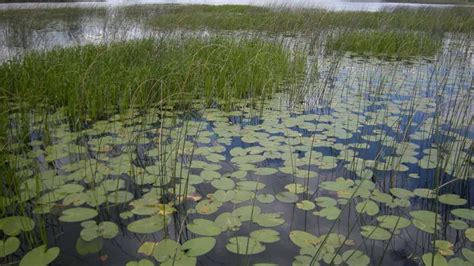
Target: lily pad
467 214
198 246
204 227
14 225
375 233
77 215
287 197
265 235
9 246
148 225
244 246
40 256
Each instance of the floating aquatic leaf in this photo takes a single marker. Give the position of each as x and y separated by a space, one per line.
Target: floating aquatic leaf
325 202
296 188
444 247
265 171
468 254
305 205
198 246
287 197
367 206
425 220
208 206
142 262
338 185
126 215
393 222
40 256
147 248
250 185
120 196
401 193
436 260
467 214
458 224
9 246
228 221
167 249
265 235
375 233
223 196
469 233
204 227
425 193
330 213
245 213
452 199
355 258
148 225
223 183
244 246
304 239
107 230
14 225
265 198
268 219
77 214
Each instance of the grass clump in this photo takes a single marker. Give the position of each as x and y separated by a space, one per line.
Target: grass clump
91 82
309 20
392 44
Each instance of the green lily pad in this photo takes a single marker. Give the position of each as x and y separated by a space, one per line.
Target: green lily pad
287 197
330 213
393 222
265 235
14 225
198 246
40 256
468 254
120 196
9 246
268 219
245 213
375 233
78 214
228 221
452 199
244 246
107 230
458 224
367 206
437 260
208 206
469 233
223 183
204 227
89 247
265 198
426 221
355 258
148 225
467 214
167 249
142 262
304 239
305 205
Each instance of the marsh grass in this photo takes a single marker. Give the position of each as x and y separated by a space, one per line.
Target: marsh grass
394 44
280 19
93 82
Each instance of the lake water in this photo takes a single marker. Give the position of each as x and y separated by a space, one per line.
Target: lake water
365 138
